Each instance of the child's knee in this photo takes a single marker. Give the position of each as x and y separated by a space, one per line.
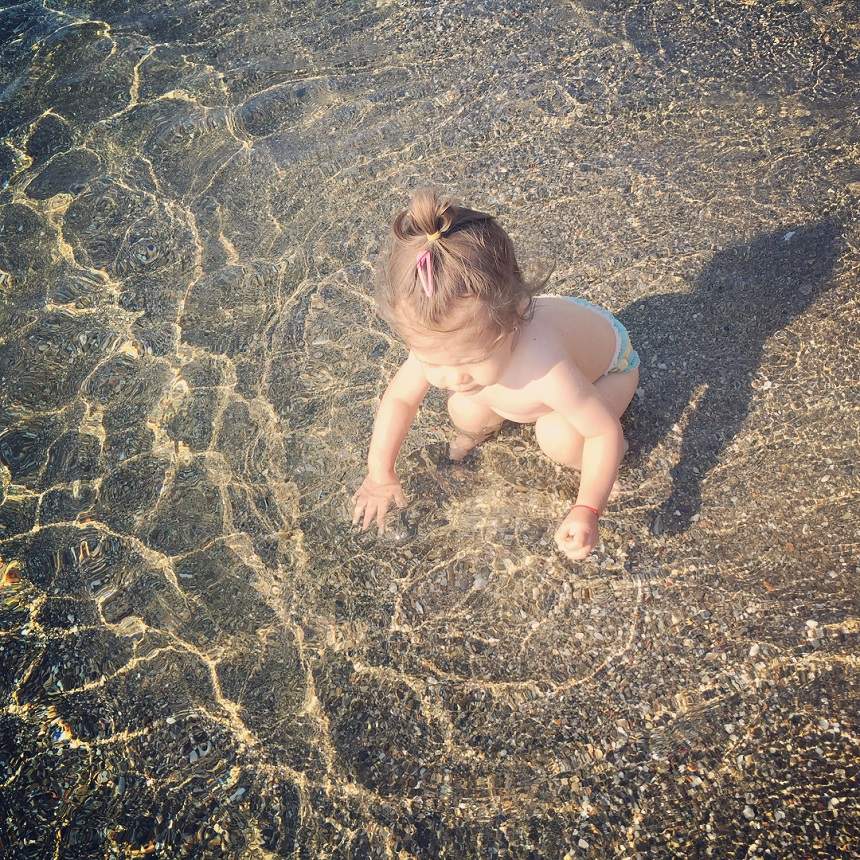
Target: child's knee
474 417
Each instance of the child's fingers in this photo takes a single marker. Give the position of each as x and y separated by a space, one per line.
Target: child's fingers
357 510
380 519
584 545
567 534
400 497
576 543
369 514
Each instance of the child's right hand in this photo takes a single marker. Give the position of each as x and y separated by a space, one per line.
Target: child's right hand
373 499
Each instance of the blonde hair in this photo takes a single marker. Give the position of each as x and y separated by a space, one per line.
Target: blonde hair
471 257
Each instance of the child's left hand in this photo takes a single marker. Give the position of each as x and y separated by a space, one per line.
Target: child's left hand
576 537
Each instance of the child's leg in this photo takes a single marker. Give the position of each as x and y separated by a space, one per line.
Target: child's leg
473 423
557 438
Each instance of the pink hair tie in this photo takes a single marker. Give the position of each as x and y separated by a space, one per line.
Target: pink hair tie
425 272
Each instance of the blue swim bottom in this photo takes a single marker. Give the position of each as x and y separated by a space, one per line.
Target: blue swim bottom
626 358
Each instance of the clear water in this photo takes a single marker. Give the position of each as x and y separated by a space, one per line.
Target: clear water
198 656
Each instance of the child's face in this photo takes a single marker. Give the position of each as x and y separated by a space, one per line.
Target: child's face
463 361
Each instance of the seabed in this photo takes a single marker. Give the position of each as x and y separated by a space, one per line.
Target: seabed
199 658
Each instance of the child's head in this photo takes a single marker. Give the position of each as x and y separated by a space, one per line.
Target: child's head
450 285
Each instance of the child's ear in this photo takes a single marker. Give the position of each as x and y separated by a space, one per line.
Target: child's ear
523 305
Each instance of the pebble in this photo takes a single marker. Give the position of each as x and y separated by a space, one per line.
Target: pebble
754 650
749 812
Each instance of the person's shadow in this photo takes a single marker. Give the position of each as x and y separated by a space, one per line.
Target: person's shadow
713 336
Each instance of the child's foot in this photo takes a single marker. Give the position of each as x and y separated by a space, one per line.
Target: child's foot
464 442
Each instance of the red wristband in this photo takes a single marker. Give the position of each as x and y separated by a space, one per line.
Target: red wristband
593 510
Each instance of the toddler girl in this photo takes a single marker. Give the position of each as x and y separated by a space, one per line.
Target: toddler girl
450 285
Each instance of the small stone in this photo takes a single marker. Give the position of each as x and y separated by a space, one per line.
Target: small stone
730 728
749 812
754 650
583 844
812 624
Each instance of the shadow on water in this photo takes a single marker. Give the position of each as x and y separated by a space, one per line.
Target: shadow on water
713 336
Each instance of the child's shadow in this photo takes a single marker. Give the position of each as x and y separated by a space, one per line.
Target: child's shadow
713 336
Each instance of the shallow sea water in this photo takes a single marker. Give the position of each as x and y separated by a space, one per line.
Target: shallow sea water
199 658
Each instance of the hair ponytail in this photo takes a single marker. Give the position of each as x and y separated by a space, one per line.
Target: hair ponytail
440 254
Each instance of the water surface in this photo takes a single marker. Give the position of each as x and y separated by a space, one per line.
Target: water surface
199 658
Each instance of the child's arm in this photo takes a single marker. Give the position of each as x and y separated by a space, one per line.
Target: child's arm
393 419
571 395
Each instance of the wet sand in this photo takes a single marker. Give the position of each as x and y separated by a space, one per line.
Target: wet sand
200 658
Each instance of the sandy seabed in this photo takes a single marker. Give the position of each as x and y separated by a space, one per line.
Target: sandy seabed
200 659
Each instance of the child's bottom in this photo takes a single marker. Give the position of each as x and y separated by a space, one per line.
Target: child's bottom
555 434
